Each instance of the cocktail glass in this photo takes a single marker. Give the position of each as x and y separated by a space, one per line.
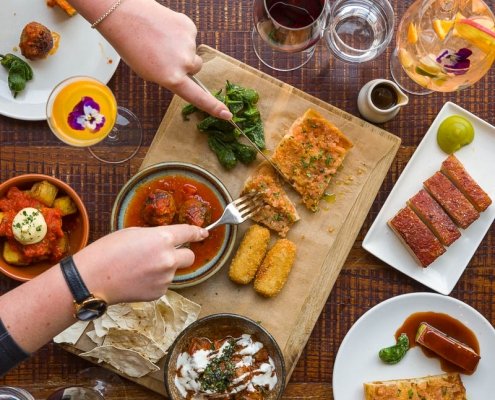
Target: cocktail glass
443 45
285 33
82 111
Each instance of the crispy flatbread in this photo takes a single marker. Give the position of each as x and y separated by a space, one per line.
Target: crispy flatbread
445 387
278 212
310 154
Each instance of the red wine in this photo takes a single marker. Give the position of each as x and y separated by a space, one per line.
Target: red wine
295 14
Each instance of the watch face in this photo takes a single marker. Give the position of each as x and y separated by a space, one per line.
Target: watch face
90 309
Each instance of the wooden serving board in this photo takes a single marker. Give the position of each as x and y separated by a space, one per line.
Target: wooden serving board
323 239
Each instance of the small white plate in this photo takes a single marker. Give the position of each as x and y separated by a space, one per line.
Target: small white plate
357 360
82 51
477 157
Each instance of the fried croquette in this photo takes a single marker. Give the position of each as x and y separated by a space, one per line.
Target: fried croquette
273 273
36 41
249 255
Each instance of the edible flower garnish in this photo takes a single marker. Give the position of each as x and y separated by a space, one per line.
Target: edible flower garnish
86 115
457 63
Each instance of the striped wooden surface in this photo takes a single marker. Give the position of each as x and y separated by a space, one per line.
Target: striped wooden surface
364 282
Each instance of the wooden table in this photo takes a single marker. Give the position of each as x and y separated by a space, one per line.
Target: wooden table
364 281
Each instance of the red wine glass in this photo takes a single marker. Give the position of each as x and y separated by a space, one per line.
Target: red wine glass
285 33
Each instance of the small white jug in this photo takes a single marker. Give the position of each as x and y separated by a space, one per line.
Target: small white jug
371 111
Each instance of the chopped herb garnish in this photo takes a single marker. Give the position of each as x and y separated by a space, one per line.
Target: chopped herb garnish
220 371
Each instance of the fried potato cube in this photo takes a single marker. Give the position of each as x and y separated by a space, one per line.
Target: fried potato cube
1 216
64 5
12 256
65 205
44 192
63 243
249 255
273 273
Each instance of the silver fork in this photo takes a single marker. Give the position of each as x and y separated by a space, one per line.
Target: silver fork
236 212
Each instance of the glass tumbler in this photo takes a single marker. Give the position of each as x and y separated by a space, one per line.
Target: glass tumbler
359 30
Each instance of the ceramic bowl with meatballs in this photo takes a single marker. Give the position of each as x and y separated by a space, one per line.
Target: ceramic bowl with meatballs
42 220
225 356
179 193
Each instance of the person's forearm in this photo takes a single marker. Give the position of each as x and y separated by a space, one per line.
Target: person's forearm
38 310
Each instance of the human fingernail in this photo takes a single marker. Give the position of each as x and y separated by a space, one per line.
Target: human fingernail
224 114
204 232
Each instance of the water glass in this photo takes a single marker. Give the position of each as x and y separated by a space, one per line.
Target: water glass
359 30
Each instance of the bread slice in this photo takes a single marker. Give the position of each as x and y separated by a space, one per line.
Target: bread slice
451 199
434 217
455 171
441 387
278 213
415 235
310 154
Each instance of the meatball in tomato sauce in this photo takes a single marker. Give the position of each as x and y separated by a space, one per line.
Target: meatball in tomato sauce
195 212
159 208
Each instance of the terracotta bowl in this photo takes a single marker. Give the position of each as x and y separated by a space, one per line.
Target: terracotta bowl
78 237
198 174
219 326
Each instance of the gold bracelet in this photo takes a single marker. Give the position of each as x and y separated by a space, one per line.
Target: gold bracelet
109 11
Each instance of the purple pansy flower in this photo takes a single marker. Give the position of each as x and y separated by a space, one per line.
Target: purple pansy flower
457 63
86 115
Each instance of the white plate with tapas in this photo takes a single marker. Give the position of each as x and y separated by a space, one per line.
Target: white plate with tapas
81 51
477 158
357 360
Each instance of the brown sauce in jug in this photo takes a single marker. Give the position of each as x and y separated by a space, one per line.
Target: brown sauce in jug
384 96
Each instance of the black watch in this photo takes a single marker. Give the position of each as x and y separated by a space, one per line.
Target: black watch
87 307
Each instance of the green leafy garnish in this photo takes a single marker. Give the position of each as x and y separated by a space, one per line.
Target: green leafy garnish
222 136
393 354
19 72
219 372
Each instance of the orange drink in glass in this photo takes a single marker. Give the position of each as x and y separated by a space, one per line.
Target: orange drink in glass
83 112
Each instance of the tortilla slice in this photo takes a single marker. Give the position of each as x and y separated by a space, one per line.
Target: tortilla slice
129 362
134 340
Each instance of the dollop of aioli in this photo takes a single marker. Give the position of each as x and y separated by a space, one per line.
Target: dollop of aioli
29 226
190 367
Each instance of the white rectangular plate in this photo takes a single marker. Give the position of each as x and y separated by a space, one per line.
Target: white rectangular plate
477 157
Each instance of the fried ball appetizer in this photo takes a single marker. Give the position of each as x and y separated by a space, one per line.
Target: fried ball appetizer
36 41
159 208
195 212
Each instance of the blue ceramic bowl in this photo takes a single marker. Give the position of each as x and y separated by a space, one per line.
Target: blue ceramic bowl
198 174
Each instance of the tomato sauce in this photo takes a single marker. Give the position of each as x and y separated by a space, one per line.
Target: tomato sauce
49 247
182 188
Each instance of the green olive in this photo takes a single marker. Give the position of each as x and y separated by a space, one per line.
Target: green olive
454 132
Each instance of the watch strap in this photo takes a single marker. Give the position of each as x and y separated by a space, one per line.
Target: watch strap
76 285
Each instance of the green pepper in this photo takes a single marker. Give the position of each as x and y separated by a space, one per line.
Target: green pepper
395 353
222 137
19 72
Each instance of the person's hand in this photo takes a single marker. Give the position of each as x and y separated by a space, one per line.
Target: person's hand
160 46
136 264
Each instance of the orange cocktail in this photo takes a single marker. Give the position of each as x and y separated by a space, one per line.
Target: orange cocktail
81 111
